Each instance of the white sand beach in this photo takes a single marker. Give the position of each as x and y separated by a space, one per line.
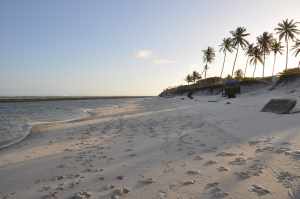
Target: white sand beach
168 148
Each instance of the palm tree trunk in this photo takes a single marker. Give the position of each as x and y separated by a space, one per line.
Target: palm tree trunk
263 72
223 64
274 64
287 52
254 70
205 71
237 52
246 67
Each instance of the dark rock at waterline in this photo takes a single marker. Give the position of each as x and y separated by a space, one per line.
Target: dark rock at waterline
280 106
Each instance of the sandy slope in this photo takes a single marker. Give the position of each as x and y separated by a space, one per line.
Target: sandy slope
162 148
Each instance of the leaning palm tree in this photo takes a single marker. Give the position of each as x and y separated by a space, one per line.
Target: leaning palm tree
195 76
264 41
225 46
256 56
276 48
296 49
249 50
208 57
238 40
188 79
288 30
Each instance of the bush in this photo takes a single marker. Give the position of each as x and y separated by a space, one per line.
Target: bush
239 74
211 81
289 73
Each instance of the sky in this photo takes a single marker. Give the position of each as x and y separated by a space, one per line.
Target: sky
128 47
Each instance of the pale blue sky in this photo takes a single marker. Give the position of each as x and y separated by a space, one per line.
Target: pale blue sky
122 47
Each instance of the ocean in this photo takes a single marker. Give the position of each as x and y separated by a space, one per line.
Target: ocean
17 118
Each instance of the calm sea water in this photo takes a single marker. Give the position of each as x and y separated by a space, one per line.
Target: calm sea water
15 118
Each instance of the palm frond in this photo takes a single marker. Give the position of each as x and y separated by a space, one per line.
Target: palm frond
287 29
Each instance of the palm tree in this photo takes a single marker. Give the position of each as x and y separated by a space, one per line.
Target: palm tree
188 79
238 40
256 56
208 57
288 30
225 46
276 48
296 49
238 74
195 76
264 41
248 54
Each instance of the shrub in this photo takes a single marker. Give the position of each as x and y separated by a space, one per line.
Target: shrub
289 73
239 74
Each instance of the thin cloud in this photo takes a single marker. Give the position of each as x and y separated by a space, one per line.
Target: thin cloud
149 55
163 61
143 54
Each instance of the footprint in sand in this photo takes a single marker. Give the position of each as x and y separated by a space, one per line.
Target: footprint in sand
238 161
188 182
132 155
264 149
253 142
210 162
128 150
197 157
259 190
117 193
253 170
120 177
283 150
146 181
286 178
50 195
226 154
191 153
295 154
162 194
222 169
210 185
243 175
193 172
82 195
214 191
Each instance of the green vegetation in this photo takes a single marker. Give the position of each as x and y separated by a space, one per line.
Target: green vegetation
255 57
276 48
296 49
249 51
238 74
264 42
289 73
256 53
238 40
208 57
288 30
226 46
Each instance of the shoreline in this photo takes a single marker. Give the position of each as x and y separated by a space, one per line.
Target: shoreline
8 144
87 115
61 98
